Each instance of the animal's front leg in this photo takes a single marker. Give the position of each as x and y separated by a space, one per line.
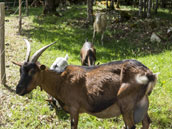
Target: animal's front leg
74 119
94 33
102 37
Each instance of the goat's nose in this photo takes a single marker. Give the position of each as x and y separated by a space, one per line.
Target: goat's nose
18 89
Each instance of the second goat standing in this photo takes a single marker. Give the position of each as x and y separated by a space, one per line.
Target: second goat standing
99 25
88 54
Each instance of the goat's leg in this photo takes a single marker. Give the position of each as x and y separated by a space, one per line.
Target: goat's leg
129 120
94 33
102 38
146 122
74 119
89 61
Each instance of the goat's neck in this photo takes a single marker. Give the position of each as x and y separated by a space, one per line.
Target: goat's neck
50 82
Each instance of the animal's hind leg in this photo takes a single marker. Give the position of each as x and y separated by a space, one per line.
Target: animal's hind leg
129 120
102 38
146 122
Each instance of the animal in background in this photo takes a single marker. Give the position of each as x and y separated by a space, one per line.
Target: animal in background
99 25
88 54
60 63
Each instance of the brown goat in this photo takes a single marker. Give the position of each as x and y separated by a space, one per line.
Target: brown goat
107 90
88 54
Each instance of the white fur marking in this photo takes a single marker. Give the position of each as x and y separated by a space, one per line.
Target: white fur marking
141 79
124 85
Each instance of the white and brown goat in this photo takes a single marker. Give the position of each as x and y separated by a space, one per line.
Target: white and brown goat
88 54
107 90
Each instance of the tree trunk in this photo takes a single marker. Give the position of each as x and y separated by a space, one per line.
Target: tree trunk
164 3
140 8
149 9
135 3
112 5
156 7
27 12
50 6
107 6
117 5
144 6
90 11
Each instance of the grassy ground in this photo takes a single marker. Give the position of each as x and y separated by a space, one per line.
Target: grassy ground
124 39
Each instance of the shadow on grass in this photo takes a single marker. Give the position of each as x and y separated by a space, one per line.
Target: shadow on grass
70 31
9 89
162 122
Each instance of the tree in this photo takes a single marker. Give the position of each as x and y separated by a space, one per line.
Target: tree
50 6
149 8
107 6
117 4
140 8
112 5
156 7
90 11
164 2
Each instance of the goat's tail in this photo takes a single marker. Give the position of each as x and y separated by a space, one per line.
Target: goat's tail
152 81
149 79
142 76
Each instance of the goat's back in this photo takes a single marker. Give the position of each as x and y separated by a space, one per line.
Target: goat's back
88 54
100 85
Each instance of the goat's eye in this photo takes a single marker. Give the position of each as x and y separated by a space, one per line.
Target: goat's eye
55 66
31 72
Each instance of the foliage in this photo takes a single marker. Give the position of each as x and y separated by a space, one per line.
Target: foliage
129 38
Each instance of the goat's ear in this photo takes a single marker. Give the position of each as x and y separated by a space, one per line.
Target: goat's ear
17 63
157 74
42 67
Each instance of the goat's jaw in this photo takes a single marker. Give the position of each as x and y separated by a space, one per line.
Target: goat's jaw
22 92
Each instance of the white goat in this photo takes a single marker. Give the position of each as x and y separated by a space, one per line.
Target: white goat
59 64
99 25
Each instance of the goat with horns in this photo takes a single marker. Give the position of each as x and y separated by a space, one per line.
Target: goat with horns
105 91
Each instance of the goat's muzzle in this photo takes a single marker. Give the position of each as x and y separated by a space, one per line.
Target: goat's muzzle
20 90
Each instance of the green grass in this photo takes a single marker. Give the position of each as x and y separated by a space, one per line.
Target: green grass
123 40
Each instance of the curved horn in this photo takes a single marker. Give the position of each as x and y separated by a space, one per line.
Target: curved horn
28 50
38 53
